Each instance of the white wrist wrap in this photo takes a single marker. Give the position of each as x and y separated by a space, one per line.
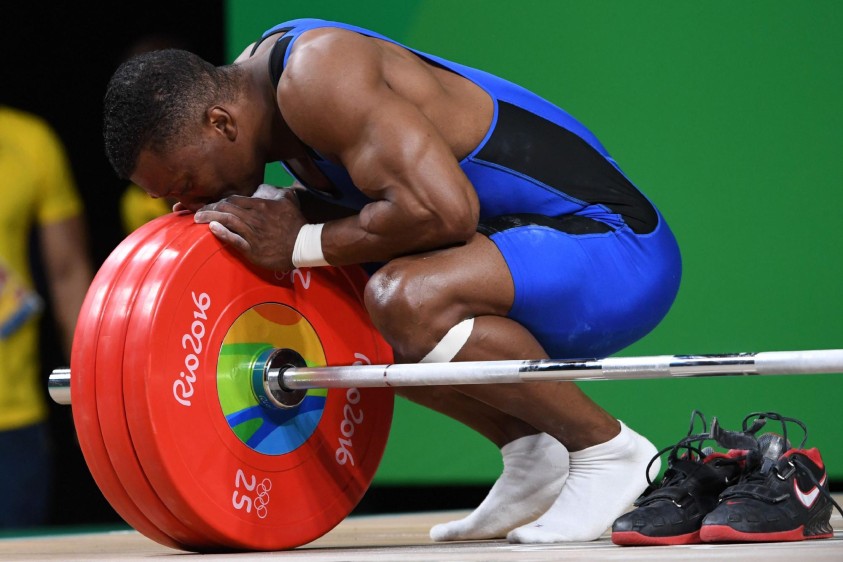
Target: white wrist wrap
307 251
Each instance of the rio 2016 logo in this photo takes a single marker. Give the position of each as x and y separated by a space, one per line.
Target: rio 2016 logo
183 386
351 418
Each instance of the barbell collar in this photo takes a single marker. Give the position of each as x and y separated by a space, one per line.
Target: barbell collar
268 381
58 385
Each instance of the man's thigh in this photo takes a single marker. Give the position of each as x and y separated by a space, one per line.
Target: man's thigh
588 292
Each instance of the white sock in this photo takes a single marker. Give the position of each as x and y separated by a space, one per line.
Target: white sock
602 483
534 470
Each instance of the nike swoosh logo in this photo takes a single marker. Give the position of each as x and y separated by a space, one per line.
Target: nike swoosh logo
808 498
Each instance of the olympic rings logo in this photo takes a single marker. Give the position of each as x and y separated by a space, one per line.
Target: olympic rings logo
256 496
262 499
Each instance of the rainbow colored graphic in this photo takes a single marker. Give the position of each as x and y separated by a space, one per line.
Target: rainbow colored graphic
256 331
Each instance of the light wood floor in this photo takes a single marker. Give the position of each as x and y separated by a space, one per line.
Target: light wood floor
404 538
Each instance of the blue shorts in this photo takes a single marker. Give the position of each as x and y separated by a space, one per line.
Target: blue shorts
585 288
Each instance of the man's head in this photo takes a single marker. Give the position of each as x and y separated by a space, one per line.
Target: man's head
169 126
153 100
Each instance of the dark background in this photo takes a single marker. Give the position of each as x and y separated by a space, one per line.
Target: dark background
57 59
57 62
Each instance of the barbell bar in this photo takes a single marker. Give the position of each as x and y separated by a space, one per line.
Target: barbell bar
284 373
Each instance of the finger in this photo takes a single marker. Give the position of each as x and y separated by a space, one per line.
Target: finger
234 223
219 212
205 216
227 236
233 204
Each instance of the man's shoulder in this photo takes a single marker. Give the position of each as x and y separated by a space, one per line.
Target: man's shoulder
330 41
329 54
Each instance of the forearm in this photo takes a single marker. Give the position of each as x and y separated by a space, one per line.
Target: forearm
69 272
317 210
383 231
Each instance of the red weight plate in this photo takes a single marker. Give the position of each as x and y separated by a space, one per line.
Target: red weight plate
83 381
109 387
263 482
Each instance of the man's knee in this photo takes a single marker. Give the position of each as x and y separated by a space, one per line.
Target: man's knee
408 309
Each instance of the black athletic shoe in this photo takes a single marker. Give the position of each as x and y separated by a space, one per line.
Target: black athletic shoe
782 495
672 512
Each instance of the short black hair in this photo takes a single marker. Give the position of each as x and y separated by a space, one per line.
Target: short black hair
154 97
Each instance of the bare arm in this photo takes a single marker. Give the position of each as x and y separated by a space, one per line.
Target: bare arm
69 272
317 210
391 149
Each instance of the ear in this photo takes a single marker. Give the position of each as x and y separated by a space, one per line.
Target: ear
223 122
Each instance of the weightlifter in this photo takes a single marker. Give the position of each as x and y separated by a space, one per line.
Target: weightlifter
500 228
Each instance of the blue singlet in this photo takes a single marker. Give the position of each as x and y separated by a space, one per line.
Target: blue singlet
595 265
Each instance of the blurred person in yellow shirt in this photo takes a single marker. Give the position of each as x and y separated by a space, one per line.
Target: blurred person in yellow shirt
37 195
137 208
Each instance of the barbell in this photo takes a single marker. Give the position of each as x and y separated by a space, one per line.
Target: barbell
208 418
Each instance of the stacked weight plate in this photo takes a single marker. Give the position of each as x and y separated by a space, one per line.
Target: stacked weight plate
169 340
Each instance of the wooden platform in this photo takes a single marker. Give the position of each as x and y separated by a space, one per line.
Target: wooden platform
405 538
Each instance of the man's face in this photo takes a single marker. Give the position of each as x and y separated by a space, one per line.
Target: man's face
197 174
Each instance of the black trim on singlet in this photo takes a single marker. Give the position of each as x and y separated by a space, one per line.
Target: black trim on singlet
262 39
276 59
276 55
529 144
569 224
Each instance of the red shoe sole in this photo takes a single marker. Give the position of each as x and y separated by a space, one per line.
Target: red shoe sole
631 538
724 533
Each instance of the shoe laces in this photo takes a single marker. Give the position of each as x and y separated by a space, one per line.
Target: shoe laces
688 448
762 454
764 457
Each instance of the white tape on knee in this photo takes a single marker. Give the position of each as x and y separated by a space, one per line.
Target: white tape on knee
451 344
